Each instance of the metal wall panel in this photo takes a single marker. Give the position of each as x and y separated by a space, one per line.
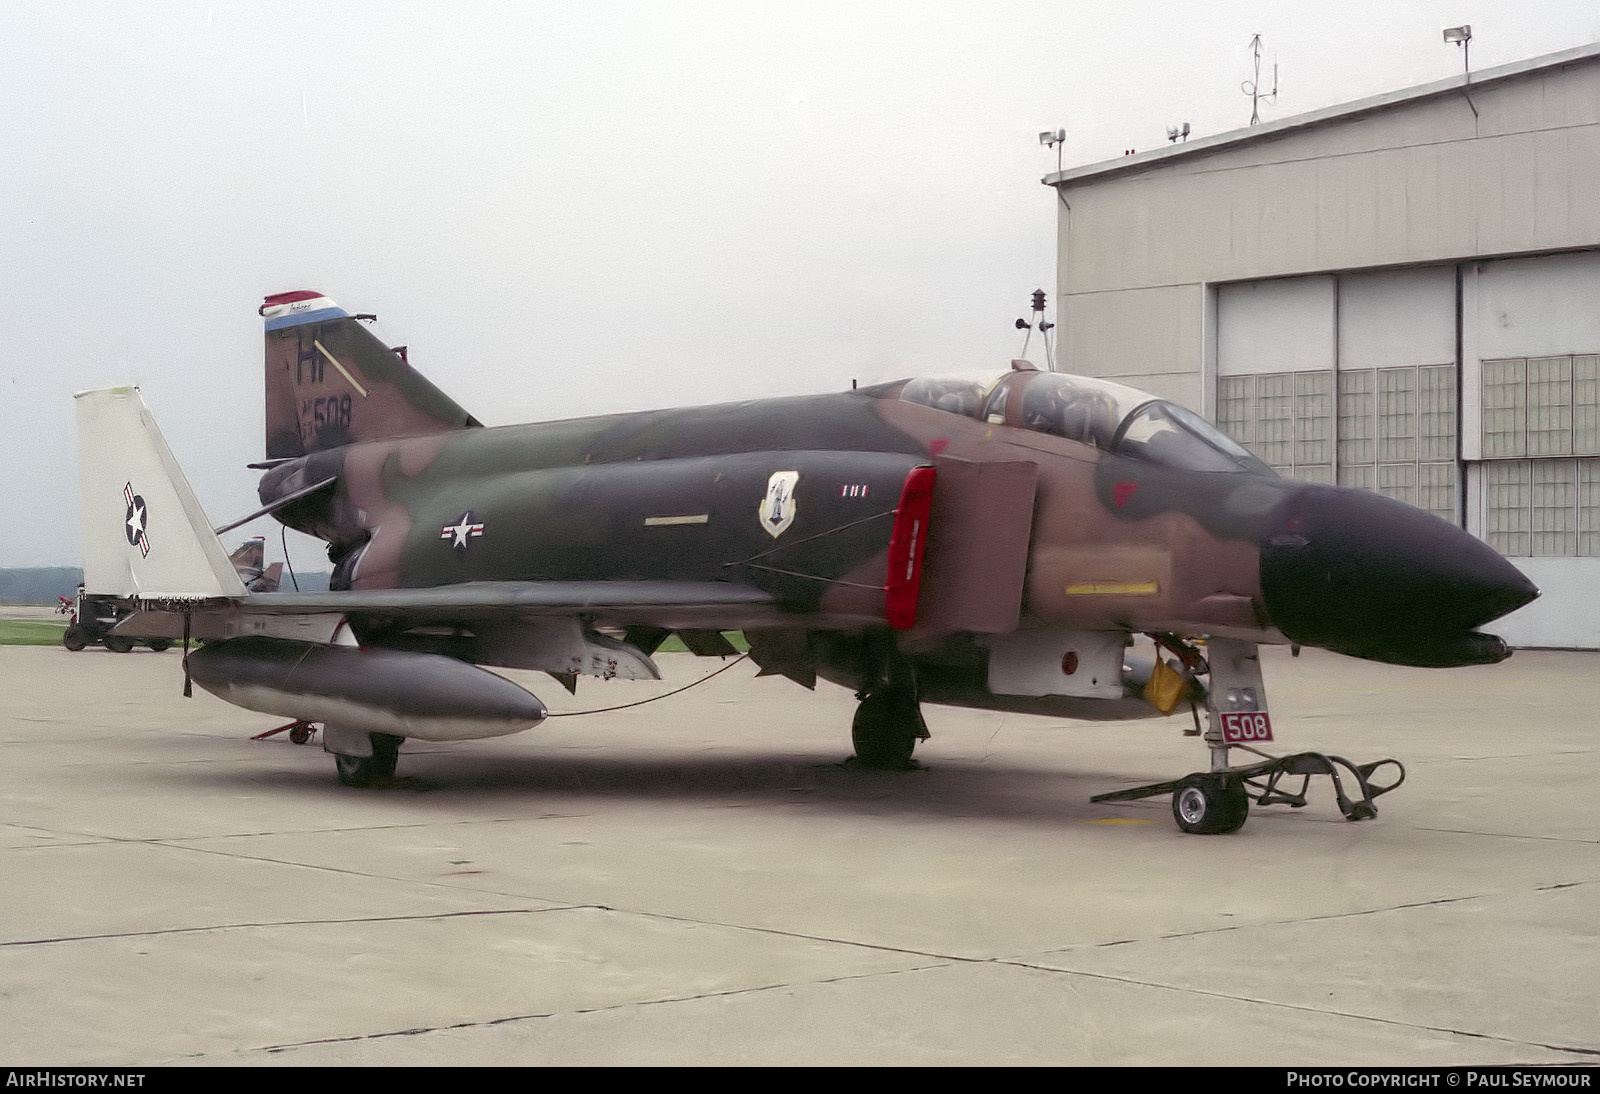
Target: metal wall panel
1538 307
1137 338
1275 326
1397 317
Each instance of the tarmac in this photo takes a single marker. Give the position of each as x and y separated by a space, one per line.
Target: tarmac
702 881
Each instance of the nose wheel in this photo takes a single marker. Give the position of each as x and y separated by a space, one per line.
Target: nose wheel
1210 804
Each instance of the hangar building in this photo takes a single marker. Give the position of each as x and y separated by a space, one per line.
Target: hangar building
1401 294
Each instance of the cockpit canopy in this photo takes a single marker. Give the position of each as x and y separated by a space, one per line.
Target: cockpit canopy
1109 416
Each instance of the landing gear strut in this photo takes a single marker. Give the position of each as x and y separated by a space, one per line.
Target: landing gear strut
1218 801
888 722
886 729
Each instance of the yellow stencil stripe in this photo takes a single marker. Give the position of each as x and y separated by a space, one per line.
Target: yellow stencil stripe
1115 588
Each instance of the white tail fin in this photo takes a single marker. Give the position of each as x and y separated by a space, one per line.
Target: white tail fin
144 533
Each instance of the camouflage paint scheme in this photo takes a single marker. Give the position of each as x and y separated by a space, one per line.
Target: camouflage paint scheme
443 533
250 563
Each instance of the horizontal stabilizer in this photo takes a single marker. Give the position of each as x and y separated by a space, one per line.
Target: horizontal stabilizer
144 533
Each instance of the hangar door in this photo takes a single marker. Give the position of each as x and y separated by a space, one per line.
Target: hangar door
1534 334
1347 379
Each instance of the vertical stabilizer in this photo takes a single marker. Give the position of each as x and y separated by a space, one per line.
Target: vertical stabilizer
331 382
144 533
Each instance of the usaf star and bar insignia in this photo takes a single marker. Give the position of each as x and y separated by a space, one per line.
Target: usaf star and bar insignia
465 529
135 521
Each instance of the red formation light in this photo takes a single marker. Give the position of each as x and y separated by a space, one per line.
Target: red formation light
906 542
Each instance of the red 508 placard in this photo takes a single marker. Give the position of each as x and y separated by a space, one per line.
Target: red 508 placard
1244 727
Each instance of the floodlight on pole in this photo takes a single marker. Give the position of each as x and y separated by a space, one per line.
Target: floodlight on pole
1462 36
1054 138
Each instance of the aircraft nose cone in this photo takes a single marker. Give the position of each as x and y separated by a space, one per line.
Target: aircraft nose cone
1373 577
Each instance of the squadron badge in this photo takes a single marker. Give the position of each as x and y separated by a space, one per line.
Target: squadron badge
777 508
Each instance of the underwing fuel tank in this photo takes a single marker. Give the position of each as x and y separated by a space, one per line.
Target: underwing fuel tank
397 692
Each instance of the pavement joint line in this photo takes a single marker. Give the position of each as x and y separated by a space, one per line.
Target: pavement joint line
1503 756
1576 1050
267 924
882 947
90 839
486 1023
557 905
1323 918
1505 835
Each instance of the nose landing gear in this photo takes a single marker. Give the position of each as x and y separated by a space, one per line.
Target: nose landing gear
1218 801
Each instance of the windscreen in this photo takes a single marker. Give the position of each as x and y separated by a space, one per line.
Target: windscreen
1167 434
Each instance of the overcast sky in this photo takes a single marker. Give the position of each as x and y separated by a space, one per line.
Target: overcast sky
574 209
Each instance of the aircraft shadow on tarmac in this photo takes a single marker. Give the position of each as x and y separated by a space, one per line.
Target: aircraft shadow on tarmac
941 789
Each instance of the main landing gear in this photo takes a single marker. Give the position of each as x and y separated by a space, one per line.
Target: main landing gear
363 771
888 722
1218 801
361 759
353 768
886 729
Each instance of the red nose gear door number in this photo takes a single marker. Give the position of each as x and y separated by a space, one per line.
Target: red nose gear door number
1246 727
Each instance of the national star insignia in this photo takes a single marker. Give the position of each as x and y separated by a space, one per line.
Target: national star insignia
135 520
461 531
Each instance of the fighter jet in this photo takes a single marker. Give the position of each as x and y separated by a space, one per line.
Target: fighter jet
994 543
250 563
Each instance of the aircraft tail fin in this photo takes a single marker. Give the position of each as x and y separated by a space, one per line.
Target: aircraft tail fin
331 382
144 533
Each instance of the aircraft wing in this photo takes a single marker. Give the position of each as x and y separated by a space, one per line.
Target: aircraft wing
488 604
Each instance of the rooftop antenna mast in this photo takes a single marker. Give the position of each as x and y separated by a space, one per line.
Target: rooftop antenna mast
1043 327
1252 87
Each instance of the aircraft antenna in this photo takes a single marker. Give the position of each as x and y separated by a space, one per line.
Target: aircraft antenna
1252 87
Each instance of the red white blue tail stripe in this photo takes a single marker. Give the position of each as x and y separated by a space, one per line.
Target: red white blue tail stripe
292 309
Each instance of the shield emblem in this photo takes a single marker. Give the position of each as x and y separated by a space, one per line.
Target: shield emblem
777 508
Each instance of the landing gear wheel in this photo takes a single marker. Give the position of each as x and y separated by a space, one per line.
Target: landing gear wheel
363 771
884 731
300 733
74 639
1210 805
160 645
117 643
